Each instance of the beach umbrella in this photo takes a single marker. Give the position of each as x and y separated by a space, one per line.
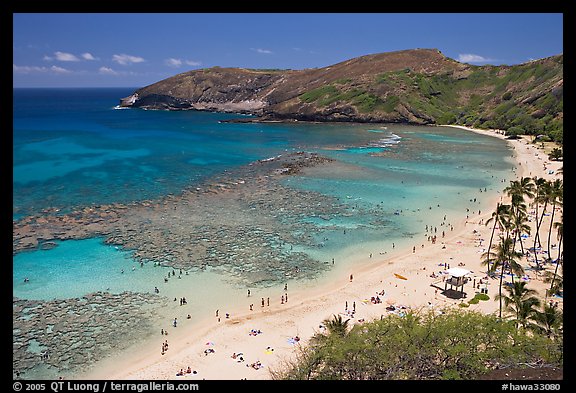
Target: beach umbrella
390 301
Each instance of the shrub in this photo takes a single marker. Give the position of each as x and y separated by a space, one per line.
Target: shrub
482 296
421 345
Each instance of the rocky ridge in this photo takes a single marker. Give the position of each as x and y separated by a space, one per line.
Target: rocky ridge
417 86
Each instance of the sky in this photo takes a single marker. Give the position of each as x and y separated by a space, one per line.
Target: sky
135 50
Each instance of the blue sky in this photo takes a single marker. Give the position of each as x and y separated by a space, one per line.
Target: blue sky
135 50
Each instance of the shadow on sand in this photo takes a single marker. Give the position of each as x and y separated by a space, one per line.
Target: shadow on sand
454 294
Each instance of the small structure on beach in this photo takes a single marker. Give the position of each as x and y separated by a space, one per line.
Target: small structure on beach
457 278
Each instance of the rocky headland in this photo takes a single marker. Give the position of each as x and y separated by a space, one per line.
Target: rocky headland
416 86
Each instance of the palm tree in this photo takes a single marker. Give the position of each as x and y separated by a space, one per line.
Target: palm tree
336 326
539 183
504 257
556 197
541 196
550 321
518 190
521 302
499 217
553 284
523 187
555 279
519 221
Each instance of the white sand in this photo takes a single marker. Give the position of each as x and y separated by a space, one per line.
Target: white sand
304 312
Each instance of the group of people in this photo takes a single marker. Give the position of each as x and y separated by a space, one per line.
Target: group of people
164 347
375 299
256 365
183 372
239 357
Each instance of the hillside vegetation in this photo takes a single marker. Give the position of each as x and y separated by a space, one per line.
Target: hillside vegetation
421 345
418 86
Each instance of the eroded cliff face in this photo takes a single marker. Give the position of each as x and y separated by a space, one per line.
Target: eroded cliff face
216 89
419 86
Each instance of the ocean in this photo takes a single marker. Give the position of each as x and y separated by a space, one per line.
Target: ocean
74 149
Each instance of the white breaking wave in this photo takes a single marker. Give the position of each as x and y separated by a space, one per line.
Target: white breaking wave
384 142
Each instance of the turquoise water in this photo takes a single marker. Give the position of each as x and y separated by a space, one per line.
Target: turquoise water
72 149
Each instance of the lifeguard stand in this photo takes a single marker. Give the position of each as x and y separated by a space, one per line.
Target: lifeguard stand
457 278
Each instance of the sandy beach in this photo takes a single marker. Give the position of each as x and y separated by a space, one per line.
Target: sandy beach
270 333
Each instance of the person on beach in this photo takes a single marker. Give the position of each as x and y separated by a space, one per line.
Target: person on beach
351 278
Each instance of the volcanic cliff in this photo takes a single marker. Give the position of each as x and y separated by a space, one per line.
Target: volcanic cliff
417 86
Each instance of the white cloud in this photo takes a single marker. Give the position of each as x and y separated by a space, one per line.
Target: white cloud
39 70
59 70
124 59
88 56
171 62
63 56
107 71
471 58
28 69
260 50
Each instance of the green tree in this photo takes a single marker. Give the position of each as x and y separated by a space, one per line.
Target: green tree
555 196
550 321
514 132
336 326
521 303
555 279
518 190
556 154
499 217
423 344
503 258
541 196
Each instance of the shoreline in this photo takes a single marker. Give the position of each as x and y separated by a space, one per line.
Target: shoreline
304 312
